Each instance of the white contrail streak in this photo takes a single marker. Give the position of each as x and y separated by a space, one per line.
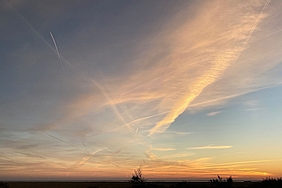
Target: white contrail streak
85 76
134 135
112 105
252 30
62 141
55 44
232 96
86 148
85 159
257 21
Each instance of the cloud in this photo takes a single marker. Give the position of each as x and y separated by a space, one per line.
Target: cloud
213 113
177 133
216 47
164 149
191 61
222 99
211 147
85 159
151 156
195 55
243 162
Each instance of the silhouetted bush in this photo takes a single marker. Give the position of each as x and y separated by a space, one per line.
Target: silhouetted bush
219 182
137 178
4 185
271 182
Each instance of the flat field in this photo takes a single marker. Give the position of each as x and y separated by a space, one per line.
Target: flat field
119 184
69 184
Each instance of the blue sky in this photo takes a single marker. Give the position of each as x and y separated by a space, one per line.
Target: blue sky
187 89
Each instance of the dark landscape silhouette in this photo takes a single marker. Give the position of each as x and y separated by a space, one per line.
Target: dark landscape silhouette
139 181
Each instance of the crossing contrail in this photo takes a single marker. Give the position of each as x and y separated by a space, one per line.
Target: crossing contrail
63 141
257 21
55 44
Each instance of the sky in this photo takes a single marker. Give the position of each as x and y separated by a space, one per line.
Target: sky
91 90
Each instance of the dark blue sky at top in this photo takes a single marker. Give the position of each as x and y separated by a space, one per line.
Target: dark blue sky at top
108 26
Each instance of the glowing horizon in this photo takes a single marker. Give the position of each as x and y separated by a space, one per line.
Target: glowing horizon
186 89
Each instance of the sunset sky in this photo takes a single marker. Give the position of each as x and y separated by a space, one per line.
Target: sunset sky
91 90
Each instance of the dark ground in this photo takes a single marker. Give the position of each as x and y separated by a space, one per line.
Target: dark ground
128 185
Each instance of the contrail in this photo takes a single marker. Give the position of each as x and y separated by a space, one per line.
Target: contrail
63 141
85 148
55 44
85 159
134 135
148 117
44 40
112 105
85 76
252 30
233 96
257 21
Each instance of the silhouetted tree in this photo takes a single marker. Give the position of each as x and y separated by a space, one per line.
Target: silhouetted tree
137 178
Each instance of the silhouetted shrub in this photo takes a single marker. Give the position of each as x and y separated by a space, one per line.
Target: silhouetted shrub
272 182
137 178
229 180
4 185
219 182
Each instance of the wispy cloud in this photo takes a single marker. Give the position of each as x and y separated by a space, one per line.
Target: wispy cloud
213 113
164 149
211 147
190 61
85 159
194 57
150 155
218 53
